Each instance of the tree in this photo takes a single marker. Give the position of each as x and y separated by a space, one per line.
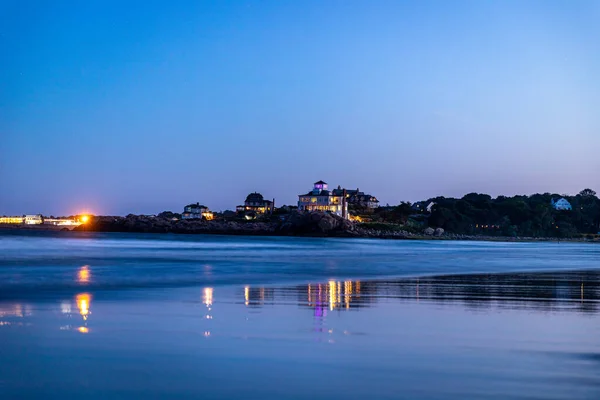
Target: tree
587 193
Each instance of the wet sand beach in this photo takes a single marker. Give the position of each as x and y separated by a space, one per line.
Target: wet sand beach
115 316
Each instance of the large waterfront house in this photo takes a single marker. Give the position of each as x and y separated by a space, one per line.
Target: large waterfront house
561 204
322 199
355 197
256 203
196 211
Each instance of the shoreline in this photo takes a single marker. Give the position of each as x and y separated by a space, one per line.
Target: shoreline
262 229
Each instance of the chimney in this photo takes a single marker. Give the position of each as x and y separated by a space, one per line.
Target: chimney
344 208
273 206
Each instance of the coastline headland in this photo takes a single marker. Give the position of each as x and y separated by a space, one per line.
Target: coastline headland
313 224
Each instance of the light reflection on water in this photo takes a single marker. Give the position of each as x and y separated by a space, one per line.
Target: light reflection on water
83 304
564 292
84 275
500 336
575 291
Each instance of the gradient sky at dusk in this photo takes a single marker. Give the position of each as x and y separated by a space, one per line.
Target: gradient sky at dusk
115 107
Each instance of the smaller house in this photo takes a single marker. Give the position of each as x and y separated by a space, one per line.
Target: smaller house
196 211
61 222
255 203
355 197
561 204
35 219
423 206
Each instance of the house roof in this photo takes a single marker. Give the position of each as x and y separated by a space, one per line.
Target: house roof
364 197
349 192
197 205
255 197
320 183
321 193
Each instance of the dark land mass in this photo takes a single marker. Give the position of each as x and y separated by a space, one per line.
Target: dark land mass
531 216
314 224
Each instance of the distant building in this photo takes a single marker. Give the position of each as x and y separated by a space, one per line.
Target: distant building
35 219
357 198
11 220
423 206
561 204
61 222
322 199
256 203
196 211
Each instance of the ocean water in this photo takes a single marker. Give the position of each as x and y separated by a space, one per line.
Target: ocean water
220 317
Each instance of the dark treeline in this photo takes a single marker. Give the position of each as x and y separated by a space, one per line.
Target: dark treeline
480 214
517 216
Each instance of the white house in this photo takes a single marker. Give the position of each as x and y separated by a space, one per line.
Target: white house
196 211
322 199
35 219
561 204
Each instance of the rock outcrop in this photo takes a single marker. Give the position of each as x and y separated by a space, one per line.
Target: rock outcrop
318 224
302 224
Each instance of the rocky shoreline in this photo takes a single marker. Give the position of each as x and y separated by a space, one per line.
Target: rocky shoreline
316 224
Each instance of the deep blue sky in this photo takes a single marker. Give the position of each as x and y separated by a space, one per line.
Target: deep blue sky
116 107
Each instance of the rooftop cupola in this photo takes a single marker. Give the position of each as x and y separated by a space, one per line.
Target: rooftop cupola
320 185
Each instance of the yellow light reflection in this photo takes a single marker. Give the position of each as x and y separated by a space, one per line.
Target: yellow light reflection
347 293
83 304
247 295
331 294
83 329
332 291
208 296
83 275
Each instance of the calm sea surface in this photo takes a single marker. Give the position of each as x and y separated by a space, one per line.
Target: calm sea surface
110 316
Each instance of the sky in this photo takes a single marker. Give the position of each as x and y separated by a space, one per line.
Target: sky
115 107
